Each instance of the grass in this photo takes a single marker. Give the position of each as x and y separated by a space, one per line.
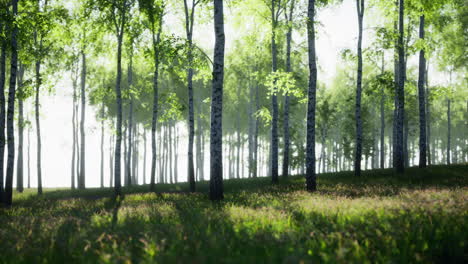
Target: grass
419 217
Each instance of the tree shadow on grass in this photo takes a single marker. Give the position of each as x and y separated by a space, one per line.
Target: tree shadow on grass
183 227
205 232
380 182
53 230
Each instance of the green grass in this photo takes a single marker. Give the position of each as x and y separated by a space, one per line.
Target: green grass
421 216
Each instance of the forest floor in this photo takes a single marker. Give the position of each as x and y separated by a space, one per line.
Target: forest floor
421 216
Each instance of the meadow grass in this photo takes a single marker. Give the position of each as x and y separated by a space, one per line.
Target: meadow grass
380 217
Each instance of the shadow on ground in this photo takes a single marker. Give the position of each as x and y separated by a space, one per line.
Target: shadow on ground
379 217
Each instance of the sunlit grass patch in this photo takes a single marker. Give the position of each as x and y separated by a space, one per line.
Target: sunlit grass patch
378 217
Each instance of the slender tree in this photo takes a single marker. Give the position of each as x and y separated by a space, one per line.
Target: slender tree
19 162
289 19
216 130
399 162
81 182
449 122
102 144
199 169
128 161
3 47
311 184
396 80
422 99
154 11
111 160
238 133
77 145
176 147
358 152
256 132
144 155
117 13
428 118
125 149
11 107
135 154
251 127
382 118
38 124
189 21
29 157
275 9
39 34
74 77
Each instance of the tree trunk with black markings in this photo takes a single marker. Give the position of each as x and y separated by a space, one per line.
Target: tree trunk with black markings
216 130
311 184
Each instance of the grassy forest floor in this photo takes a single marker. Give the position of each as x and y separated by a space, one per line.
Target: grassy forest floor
421 216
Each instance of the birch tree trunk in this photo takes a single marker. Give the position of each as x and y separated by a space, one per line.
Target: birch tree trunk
274 97
156 37
19 163
198 176
118 143
216 130
29 158
74 146
257 124
251 130
242 160
229 158
406 155
382 119
134 157
2 109
189 21
466 136
238 143
311 184
391 145
165 154
449 131
358 151
176 154
77 141
128 161
11 109
428 118
38 124
102 145
144 155
396 98
399 162
422 100
161 154
202 157
111 161
375 143
286 97
323 157
125 149
81 183
170 143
